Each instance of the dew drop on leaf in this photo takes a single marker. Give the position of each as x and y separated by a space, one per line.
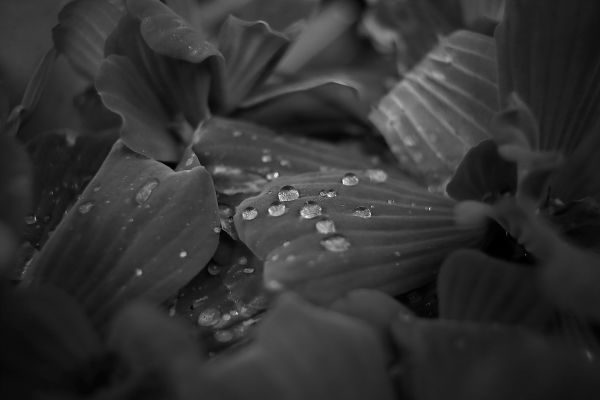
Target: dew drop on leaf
330 194
30 219
288 193
377 175
223 336
276 209
310 210
325 226
350 179
85 207
183 254
249 213
209 317
146 191
272 175
335 243
362 212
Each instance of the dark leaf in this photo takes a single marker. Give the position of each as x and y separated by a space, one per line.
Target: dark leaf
482 15
442 107
282 15
139 230
326 233
483 175
81 33
475 287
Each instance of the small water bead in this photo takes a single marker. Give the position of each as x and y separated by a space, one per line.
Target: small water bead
330 194
30 219
266 158
335 243
285 163
209 317
85 207
243 260
223 336
350 179
377 175
272 175
310 210
183 254
146 191
217 229
248 270
138 272
237 134
362 212
249 213
97 188
213 269
288 193
276 209
325 226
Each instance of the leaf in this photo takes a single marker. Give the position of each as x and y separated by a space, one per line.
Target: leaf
482 15
326 233
452 360
303 352
409 28
160 78
282 15
63 163
478 288
83 27
139 230
443 107
48 345
251 50
483 175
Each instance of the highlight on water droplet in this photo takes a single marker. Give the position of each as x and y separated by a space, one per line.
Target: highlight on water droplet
330 194
209 317
84 208
362 212
350 179
249 213
377 175
335 243
276 209
325 226
145 191
288 193
183 254
310 210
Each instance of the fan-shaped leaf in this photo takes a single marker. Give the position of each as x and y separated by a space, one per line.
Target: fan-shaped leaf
475 287
442 107
139 229
331 232
81 33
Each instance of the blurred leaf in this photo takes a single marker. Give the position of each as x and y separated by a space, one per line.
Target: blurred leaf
81 33
160 78
483 175
303 352
48 345
282 15
326 233
64 163
251 50
409 28
452 360
442 107
139 230
482 15
475 287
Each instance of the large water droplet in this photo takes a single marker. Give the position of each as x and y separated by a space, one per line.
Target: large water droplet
325 226
85 207
209 317
377 175
362 212
310 210
288 193
276 209
336 243
249 213
146 191
350 179
330 194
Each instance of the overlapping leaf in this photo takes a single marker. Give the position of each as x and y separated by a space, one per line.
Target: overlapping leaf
475 287
482 15
442 107
327 233
139 229
81 33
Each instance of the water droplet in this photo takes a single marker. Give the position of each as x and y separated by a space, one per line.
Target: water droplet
138 272
272 175
217 229
285 163
286 244
330 194
183 254
30 219
362 212
249 213
237 133
377 175
243 260
209 317
213 269
310 210
336 243
97 188
350 179
223 336
248 270
85 207
288 193
146 191
266 158
276 209
325 226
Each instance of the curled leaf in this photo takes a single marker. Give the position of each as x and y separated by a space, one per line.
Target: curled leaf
324 234
139 230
